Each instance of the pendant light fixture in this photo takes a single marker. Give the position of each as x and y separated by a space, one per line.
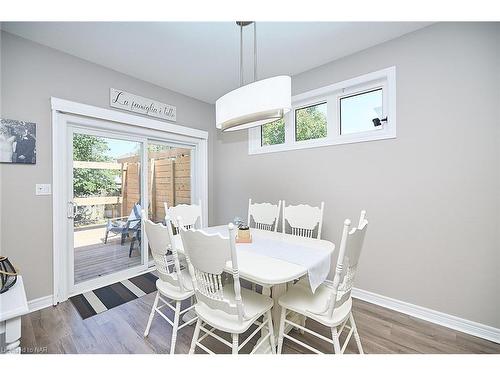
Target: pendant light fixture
254 104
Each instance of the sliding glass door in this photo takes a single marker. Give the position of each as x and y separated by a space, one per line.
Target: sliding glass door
114 177
105 206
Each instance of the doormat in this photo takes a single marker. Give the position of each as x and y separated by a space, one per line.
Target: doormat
105 298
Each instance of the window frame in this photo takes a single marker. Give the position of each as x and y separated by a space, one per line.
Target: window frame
331 94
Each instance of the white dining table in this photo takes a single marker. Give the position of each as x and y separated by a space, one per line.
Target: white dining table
271 273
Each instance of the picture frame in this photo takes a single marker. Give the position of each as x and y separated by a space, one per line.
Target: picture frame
17 142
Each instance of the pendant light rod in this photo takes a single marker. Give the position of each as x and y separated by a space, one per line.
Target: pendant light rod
255 51
242 24
241 54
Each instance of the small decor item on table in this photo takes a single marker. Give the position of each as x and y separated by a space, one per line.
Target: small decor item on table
244 235
238 222
8 274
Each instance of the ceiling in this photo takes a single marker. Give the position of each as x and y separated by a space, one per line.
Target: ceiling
201 59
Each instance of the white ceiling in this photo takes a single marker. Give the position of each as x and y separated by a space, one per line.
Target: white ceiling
201 59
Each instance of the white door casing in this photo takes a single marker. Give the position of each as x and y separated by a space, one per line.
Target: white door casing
67 116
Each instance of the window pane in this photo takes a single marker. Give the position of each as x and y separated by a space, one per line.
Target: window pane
273 133
358 111
310 122
106 196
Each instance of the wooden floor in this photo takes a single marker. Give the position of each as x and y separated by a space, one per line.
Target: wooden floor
94 258
120 330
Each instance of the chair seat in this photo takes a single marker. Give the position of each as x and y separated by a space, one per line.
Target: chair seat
302 300
116 226
172 291
254 304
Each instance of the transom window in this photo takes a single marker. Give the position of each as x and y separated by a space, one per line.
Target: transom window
273 133
310 122
357 110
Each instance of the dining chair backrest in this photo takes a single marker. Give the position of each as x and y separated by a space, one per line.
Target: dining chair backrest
190 214
160 240
207 256
264 215
351 245
303 219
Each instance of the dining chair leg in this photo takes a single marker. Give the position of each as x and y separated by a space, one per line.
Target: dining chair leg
302 323
195 336
356 334
281 330
235 343
270 327
152 314
336 342
175 327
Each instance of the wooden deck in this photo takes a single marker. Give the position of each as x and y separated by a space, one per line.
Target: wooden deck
94 258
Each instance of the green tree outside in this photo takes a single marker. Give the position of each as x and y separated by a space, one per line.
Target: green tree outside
273 133
310 123
92 182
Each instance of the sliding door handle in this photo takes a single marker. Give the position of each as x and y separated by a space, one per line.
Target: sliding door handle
71 210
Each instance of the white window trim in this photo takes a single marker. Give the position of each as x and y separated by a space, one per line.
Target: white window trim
331 94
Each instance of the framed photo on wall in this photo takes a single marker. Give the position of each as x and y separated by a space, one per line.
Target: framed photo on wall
17 142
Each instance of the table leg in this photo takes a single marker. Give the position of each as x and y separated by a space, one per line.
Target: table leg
12 334
275 293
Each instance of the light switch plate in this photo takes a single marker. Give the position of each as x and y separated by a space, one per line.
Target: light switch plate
43 189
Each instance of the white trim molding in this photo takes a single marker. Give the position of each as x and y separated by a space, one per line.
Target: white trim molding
66 106
446 320
40 303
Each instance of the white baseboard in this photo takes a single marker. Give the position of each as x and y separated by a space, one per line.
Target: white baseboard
433 316
40 303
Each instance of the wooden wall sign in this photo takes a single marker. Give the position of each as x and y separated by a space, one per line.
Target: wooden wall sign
138 104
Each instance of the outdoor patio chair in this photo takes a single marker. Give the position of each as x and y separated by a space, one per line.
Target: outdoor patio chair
125 228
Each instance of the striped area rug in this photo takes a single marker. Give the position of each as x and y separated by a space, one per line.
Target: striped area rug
102 299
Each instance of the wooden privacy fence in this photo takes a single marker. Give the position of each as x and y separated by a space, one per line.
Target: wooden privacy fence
169 180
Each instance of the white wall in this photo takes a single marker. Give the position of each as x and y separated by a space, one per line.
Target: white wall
31 74
432 194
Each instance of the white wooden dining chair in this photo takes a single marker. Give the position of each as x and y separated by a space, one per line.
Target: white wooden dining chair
190 213
331 304
303 219
265 215
173 285
221 304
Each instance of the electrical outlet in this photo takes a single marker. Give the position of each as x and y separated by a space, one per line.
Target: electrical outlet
43 189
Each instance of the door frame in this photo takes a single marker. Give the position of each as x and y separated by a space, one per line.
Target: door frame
66 112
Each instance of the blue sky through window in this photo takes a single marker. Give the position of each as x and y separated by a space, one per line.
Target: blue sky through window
358 111
119 147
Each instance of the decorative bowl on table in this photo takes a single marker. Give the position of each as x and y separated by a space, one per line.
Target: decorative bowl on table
243 235
8 274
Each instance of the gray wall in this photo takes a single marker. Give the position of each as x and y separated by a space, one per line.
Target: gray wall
432 194
1 182
31 74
